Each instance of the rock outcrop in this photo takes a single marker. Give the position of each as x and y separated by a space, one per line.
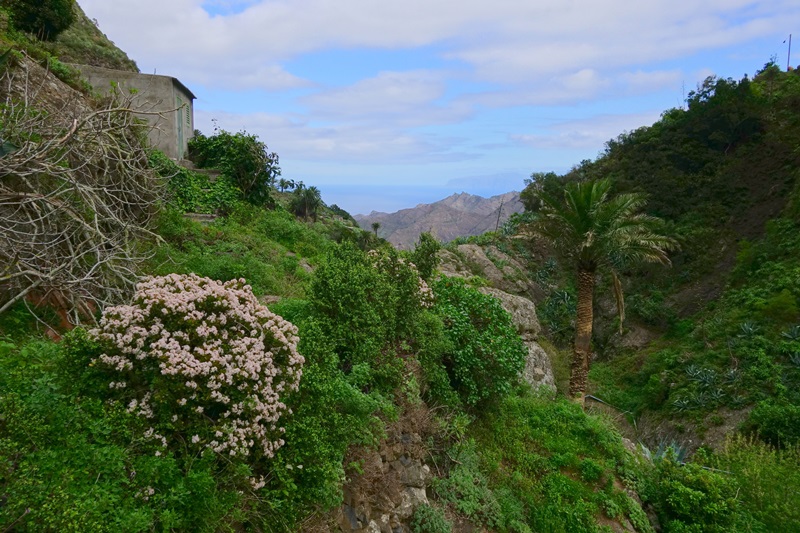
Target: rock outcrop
522 311
508 283
403 489
392 483
496 267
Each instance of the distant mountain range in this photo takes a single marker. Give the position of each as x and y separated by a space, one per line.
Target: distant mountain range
459 215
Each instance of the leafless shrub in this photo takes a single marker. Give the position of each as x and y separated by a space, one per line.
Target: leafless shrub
77 197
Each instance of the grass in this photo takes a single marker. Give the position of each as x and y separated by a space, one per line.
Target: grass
270 249
541 465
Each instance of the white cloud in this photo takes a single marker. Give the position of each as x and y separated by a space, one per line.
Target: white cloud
572 87
504 41
297 139
592 132
410 98
642 81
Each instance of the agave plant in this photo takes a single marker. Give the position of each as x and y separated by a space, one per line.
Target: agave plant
544 275
666 449
716 395
748 330
700 399
707 377
731 375
792 334
682 405
694 372
738 401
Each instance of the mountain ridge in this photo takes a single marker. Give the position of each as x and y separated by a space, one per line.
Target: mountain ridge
458 215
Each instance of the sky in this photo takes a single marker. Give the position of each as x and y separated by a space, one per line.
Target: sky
384 105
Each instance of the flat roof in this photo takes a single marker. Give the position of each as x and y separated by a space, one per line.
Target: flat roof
110 71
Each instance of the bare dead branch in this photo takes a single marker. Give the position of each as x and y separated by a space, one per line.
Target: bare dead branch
77 196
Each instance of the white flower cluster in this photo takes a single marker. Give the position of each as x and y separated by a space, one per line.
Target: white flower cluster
393 266
426 296
203 355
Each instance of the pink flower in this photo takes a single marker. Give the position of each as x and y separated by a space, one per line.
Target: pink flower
226 363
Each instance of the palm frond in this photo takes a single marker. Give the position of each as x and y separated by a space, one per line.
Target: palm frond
594 228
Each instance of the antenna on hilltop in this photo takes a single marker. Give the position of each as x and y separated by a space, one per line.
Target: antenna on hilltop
789 54
683 94
499 212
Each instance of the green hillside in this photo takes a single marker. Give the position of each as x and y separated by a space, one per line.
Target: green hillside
723 173
248 359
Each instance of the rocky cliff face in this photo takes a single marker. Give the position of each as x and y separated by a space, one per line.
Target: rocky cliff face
459 215
509 283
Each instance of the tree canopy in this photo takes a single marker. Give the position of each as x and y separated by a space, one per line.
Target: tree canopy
44 18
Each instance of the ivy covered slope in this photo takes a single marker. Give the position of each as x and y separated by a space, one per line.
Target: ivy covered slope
711 345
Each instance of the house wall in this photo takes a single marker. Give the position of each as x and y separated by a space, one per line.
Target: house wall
165 103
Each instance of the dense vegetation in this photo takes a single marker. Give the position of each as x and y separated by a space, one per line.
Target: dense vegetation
45 19
168 417
730 306
126 453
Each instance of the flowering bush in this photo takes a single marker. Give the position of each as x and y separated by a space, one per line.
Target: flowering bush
203 362
405 276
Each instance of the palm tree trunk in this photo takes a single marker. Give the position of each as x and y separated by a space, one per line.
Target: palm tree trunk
583 337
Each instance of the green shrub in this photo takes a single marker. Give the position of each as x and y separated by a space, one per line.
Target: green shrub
43 18
368 305
690 498
780 308
431 345
70 461
255 224
354 301
486 355
242 158
651 309
767 480
329 415
590 470
425 255
261 246
427 519
294 310
467 490
551 466
192 192
776 423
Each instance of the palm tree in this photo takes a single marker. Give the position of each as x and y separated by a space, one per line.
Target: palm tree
597 232
306 202
375 227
